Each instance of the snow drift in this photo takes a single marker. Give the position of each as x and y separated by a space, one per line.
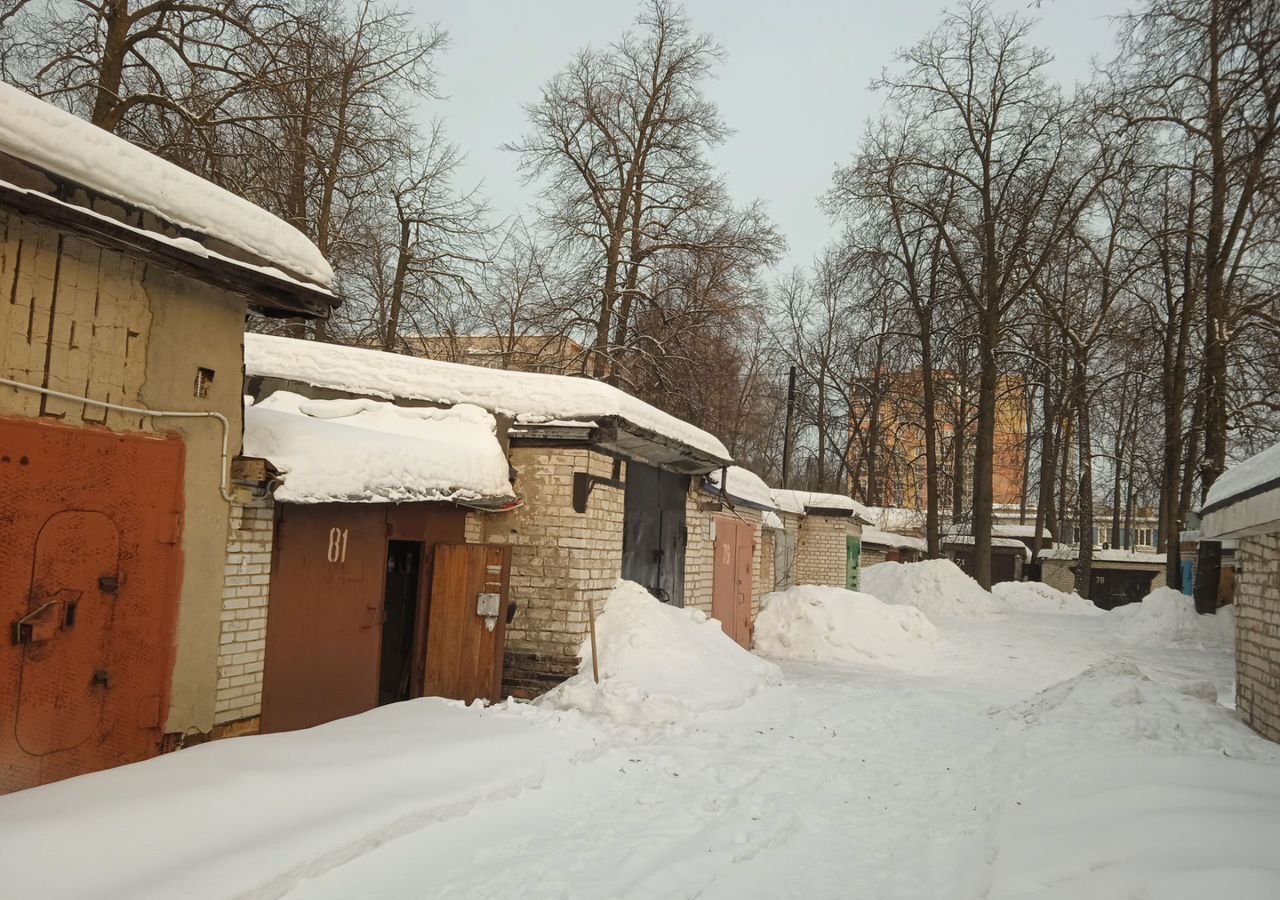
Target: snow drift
1037 597
936 587
253 816
1168 616
660 663
834 625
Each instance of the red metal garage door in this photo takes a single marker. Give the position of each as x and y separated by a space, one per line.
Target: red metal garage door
90 572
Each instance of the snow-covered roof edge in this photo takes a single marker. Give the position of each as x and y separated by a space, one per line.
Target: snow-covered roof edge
1245 500
745 487
883 538
65 145
524 395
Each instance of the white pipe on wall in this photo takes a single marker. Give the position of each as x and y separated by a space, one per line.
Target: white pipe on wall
224 476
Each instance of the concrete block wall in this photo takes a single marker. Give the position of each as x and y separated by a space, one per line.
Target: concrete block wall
821 552
559 559
1257 604
246 586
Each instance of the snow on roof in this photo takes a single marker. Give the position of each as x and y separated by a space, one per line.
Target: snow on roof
532 397
802 501
771 520
68 146
1134 556
1250 476
746 486
367 451
889 539
963 539
1015 530
895 518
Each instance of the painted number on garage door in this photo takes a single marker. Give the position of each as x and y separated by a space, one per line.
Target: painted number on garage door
337 545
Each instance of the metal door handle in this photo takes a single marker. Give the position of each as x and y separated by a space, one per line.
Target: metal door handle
22 632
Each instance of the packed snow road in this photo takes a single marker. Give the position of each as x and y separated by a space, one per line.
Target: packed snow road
843 782
1007 754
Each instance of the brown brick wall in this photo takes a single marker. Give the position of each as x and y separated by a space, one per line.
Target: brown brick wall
1258 634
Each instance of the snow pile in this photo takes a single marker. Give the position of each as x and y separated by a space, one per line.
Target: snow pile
834 625
254 816
1167 616
1037 597
937 587
1114 702
660 664
746 486
530 397
61 143
373 452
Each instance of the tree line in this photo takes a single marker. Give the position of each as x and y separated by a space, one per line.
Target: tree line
1071 288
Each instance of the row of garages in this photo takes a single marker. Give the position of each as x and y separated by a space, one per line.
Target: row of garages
208 533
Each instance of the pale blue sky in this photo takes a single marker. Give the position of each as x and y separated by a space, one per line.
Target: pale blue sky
794 86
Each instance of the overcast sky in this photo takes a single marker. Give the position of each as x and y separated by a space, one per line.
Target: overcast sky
794 86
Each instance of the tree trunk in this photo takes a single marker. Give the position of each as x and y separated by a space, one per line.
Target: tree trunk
1084 499
931 529
106 99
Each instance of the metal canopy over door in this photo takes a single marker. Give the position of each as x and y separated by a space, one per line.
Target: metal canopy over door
654 533
90 574
731 588
324 623
467 621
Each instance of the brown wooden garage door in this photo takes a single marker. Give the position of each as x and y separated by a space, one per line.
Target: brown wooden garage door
90 573
333 605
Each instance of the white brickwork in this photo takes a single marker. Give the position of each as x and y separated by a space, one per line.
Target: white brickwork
245 587
1257 603
821 551
559 559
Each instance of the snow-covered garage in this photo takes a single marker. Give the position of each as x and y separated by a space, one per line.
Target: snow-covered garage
603 481
1244 503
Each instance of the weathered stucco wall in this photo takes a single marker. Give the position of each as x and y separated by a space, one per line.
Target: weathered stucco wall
101 324
559 559
1258 634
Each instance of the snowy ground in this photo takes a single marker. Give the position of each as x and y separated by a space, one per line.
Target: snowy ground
956 779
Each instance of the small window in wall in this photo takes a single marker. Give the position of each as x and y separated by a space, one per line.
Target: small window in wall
204 378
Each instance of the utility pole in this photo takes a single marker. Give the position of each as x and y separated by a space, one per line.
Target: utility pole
786 437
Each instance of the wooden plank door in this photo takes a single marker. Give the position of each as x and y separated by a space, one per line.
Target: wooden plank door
731 584
744 552
324 630
464 648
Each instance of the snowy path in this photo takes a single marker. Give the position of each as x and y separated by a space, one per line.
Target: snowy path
843 782
1036 756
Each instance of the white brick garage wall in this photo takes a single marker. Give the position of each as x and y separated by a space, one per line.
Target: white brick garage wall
1258 634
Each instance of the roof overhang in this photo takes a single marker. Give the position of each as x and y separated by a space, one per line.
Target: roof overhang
1249 513
714 490
268 294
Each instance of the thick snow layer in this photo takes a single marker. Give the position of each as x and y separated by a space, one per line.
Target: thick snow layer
1123 780
969 540
937 587
254 816
1254 472
1168 616
532 396
367 451
61 143
772 521
800 501
660 663
830 624
1149 557
889 539
1037 597
745 485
